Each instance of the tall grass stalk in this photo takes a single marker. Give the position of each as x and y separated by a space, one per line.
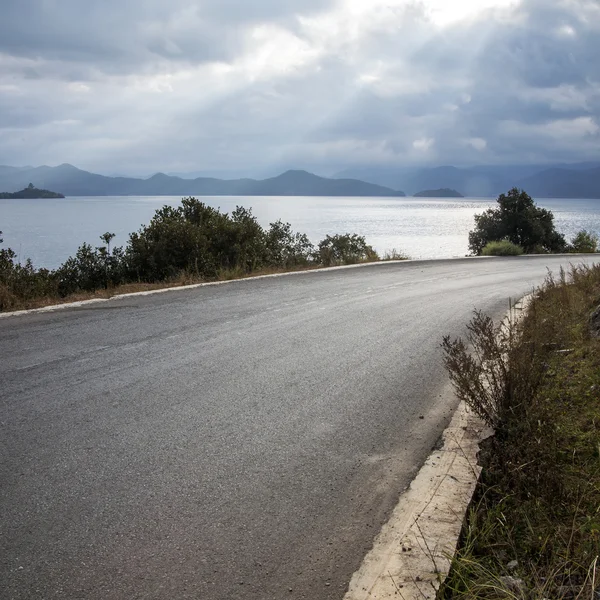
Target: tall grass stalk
533 529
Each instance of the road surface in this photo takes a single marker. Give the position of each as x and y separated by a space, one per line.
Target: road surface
245 440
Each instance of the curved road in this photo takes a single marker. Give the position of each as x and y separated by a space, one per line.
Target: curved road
244 440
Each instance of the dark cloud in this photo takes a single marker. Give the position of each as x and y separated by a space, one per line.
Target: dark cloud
119 36
223 83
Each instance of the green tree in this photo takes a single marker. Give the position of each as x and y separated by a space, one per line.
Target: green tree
518 220
107 239
173 241
286 248
584 241
197 239
247 243
92 268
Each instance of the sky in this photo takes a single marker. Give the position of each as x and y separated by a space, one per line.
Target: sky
252 86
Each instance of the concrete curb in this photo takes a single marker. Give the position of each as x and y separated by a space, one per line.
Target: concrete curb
80 303
412 554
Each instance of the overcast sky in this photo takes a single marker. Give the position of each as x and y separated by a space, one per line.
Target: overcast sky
136 86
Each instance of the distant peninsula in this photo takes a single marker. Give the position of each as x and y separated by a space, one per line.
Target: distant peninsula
30 192
441 193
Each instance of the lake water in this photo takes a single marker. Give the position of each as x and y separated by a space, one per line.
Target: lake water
49 231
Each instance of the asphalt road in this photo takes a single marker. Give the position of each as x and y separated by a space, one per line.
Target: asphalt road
244 440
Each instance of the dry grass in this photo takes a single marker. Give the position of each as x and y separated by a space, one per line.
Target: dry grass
395 254
97 294
538 501
182 280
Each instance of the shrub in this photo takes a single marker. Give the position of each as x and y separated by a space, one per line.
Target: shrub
197 239
22 282
518 220
286 248
490 371
584 242
193 241
92 269
345 249
176 240
501 248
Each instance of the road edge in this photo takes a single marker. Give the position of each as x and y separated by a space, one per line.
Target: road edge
179 288
80 303
412 554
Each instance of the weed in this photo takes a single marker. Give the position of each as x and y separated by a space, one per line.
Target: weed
537 381
395 254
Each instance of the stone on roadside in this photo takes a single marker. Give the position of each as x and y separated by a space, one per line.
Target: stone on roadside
512 584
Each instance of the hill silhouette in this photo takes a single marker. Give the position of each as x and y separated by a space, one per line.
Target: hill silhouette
577 180
76 182
581 180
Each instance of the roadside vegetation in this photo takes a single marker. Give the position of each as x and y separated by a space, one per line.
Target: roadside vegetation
501 248
518 226
533 528
190 243
585 241
194 242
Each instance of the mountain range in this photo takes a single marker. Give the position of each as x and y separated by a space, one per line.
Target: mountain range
580 180
71 181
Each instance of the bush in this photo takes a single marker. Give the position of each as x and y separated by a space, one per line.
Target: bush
196 239
345 249
176 240
518 220
193 241
92 269
286 248
490 369
501 248
584 242
23 282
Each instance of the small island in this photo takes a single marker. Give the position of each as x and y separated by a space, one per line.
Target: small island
441 193
30 192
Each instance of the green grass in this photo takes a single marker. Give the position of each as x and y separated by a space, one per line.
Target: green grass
538 500
501 248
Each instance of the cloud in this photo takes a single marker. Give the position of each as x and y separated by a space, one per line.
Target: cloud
222 84
423 144
116 37
477 143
